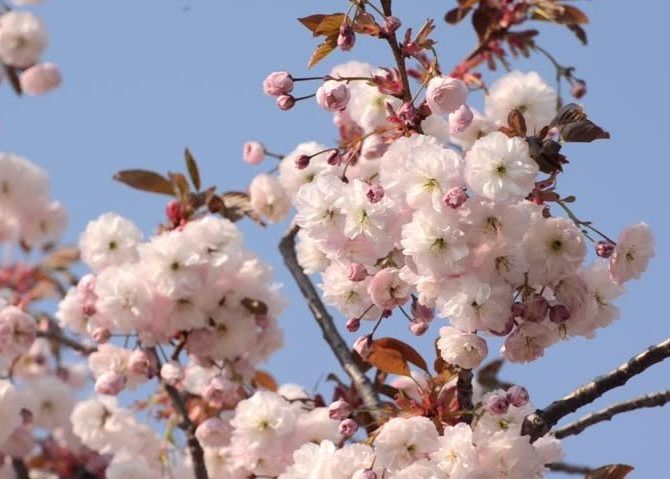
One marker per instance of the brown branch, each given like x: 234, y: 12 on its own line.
x: 20, y: 468
x: 397, y: 54
x: 464, y: 391
x: 540, y: 422
x: 650, y: 400
x: 327, y: 325
x: 56, y: 336
x: 569, y: 468
x: 185, y: 423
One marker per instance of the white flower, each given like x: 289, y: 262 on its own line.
x: 317, y: 213
x: 293, y: 178
x: 23, y: 38
x: 456, y: 454
x: 350, y: 297
x: 264, y: 415
x: 269, y: 198
x: 136, y: 467
x: 402, y: 441
x: 51, y: 401
x: 10, y: 409
x: 23, y: 185
x: 311, y: 257
x: 422, y: 469
x: 45, y: 225
x: 528, y: 342
x: 311, y: 461
x: 500, y: 168
x: 633, y: 250
x: 461, y: 349
x: 526, y: 92
x: 505, y: 456
x: 109, y: 240
x: 362, y: 217
x: 219, y: 239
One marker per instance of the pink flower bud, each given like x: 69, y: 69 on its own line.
x: 559, y: 313
x: 353, y: 324
x: 334, y: 158
x: 253, y: 152
x: 455, y: 197
x: 139, y: 363
x: 375, y: 193
x: 578, y: 89
x: 391, y: 25
x: 497, y: 404
x: 40, y: 79
x: 285, y: 102
x: 340, y: 410
x: 418, y: 328
x: 347, y: 38
x: 213, y: 432
x: 409, y: 114
x: 348, y: 427
x: 101, y: 335
x: 604, y: 249
x: 460, y: 119
x: 357, y: 272
x: 110, y: 383
x: 333, y: 95
x: 422, y: 313
x: 88, y: 309
x: 536, y: 308
x: 363, y: 346
x: 518, y: 396
x: 174, y: 212
x: 221, y: 391
x: 302, y: 161
x: 445, y: 94
x: 278, y: 83
x: 172, y: 373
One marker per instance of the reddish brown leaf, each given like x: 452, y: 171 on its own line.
x: 264, y: 380
x: 323, y: 25
x: 365, y: 24
x: 579, y: 32
x: 481, y: 21
x: 192, y: 168
x: 237, y: 205
x: 408, y: 353
x: 572, y: 15
x: 613, y: 471
x: 145, y: 180
x: 179, y: 185
x: 455, y: 15
x: 388, y: 360
x: 322, y: 51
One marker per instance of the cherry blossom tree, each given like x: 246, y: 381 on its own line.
x: 424, y: 211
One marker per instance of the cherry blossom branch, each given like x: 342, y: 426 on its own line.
x: 327, y: 325
x: 540, y: 422
x: 650, y: 400
x: 397, y: 54
x: 20, y: 468
x: 52, y: 335
x: 464, y: 391
x: 194, y: 447
x: 569, y: 468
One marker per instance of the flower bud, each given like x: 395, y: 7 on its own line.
x: 110, y: 383
x: 518, y: 310
x: 285, y: 102
x: 536, y: 308
x: 347, y: 38
x: 578, y: 89
x: 518, y: 396
x: 333, y: 96
x: 460, y: 119
x: 348, y: 427
x: 422, y: 312
x: 363, y: 346
x: 278, y: 83
x: 455, y: 197
x: 604, y: 249
x: 353, y: 324
x: 375, y: 193
x: 334, y: 158
x: 213, y: 432
x: 139, y: 363
x: 497, y: 404
x: 357, y: 272
x: 391, y: 25
x: 559, y: 313
x: 409, y: 114
x: 418, y: 328
x: 509, y: 326
x: 174, y: 212
x: 253, y: 152
x: 172, y: 372
x: 40, y: 79
x: 221, y: 391
x: 101, y: 335
x: 302, y: 161
x: 339, y: 410
x: 88, y: 309
x: 445, y: 94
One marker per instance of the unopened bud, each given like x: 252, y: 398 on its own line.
x: 604, y: 249
x: 559, y: 313
x: 138, y: 363
x: 302, y: 161
x: 455, y: 197
x: 347, y: 38
x: 363, y: 346
x: 578, y: 89
x: 423, y: 313
x: 285, y: 102
x: 339, y: 410
x: 174, y: 212
x: 334, y: 158
x: 278, y: 83
x: 391, y: 25
x: 518, y: 396
x: 172, y: 372
x: 348, y: 427
x: 253, y: 152
x: 536, y: 308
x: 366, y: 474
x: 353, y: 324
x: 375, y: 193
x: 101, y: 335
x: 110, y: 383
x: 497, y: 404
x: 357, y: 272
x: 333, y: 96
x: 418, y: 328
x: 460, y: 119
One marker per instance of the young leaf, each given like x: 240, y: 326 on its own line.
x: 146, y: 180
x: 406, y: 351
x: 179, y: 185
x: 192, y: 168
x: 322, y: 51
x: 323, y: 25
x: 570, y: 15
x: 516, y: 122
x: 263, y: 380
x: 237, y: 205
x: 388, y: 360
x: 613, y: 471
x: 13, y: 76
x: 579, y: 32
x: 455, y: 15
x: 584, y: 131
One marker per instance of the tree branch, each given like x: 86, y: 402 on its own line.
x: 464, y: 391
x: 650, y: 400
x: 397, y: 54
x: 540, y: 422
x: 327, y: 325
x: 569, y: 468
x: 52, y: 335
x: 20, y: 468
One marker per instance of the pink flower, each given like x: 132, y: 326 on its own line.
x: 333, y: 95
x: 110, y: 383
x: 253, y: 152
x: 346, y: 38
x: 460, y: 119
x: 497, y: 404
x: 348, y: 427
x: 363, y: 346
x: 357, y: 272
x: 632, y: 253
x: 339, y: 410
x: 285, y: 102
x: 172, y: 372
x: 465, y: 350
x: 17, y: 331
x: 40, y: 79
x: 387, y: 290
x: 278, y: 83
x: 214, y: 432
x: 445, y: 94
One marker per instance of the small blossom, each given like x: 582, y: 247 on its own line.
x: 634, y: 249
x: 445, y: 94
x: 278, y: 83
x: 497, y: 404
x: 357, y: 272
x: 339, y: 409
x: 363, y: 346
x: 375, y: 193
x: 285, y: 102
x: 346, y: 38
x: 40, y: 79
x: 518, y: 396
x: 455, y: 197
x: 333, y: 95
x: 465, y: 350
x: 253, y: 152
x: 348, y: 427
x: 460, y: 119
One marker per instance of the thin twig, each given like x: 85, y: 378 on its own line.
x: 397, y: 54
x: 20, y: 468
x: 325, y: 321
x: 650, y: 400
x: 185, y: 423
x: 52, y: 335
x: 540, y: 422
x: 464, y: 391
x: 569, y: 468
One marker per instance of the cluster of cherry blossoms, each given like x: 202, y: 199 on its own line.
x: 23, y: 40
x: 454, y: 219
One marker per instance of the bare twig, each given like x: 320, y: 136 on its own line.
x: 327, y: 325
x: 56, y: 336
x: 569, y: 468
x: 397, y: 54
x: 650, y: 400
x: 540, y: 422
x: 185, y: 423
x: 20, y: 468
x: 464, y: 390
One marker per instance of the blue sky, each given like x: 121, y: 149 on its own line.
x: 145, y: 79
